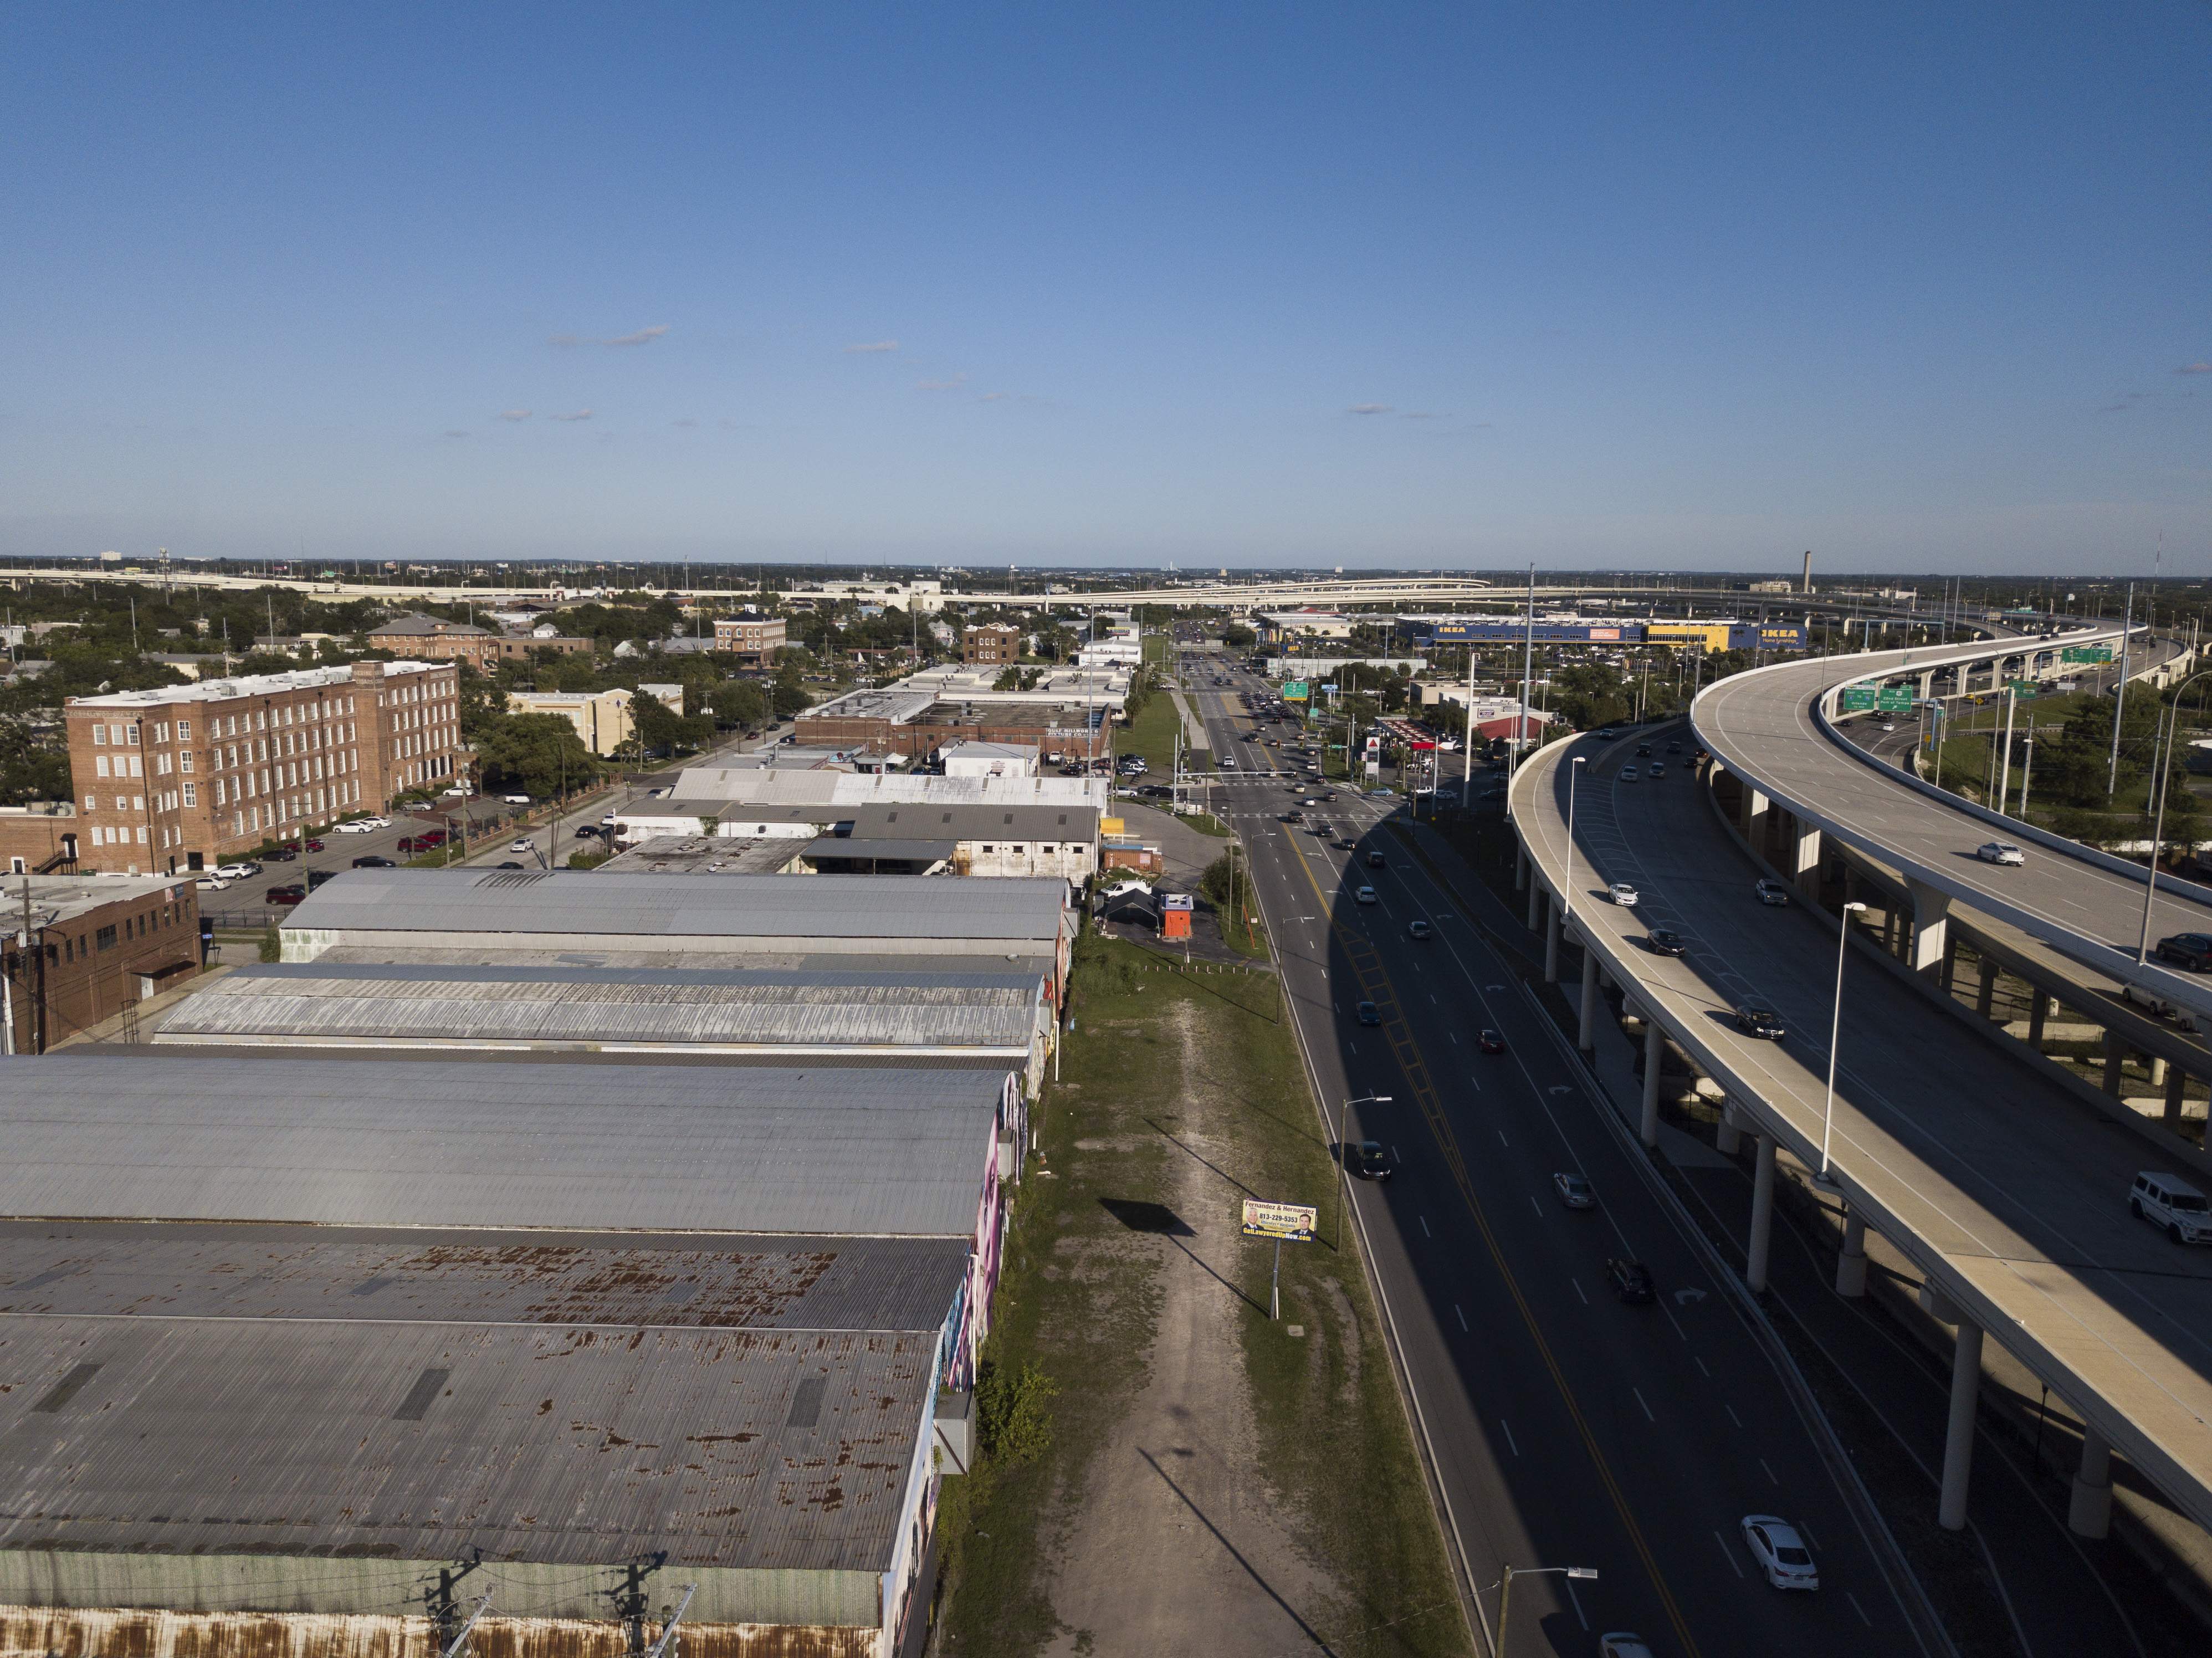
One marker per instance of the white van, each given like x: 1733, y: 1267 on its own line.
x: 2173, y: 1205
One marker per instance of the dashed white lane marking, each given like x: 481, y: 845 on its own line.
x: 1858, y: 1608
x: 1770, y: 1480
x: 1507, y: 1426
x: 1577, y: 1283
x: 1462, y: 1318
x: 1648, y: 1417
x: 1729, y: 1553
x: 1424, y: 1228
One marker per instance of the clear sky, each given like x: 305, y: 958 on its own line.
x: 1920, y: 287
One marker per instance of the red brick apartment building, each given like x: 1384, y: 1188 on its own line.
x: 993, y: 644
x: 184, y: 777
x: 754, y: 638
x: 87, y: 947
x: 431, y: 638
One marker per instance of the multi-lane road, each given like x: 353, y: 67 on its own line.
x: 1563, y: 1427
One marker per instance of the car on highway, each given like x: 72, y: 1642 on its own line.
x: 588, y: 832
x: 1664, y: 941
x: 1674, y: 748
x: 1367, y: 1160
x: 1345, y: 843
x: 1228, y: 764
x: 2191, y: 950
x: 211, y: 883
x: 1293, y: 815
x: 1365, y: 895
x: 1887, y: 726
x: 1606, y: 734
x: 1622, y: 894
x: 1377, y: 860
x: 1574, y: 1191
x: 1643, y: 750
x: 1780, y: 1552
x: 1623, y: 1644
x: 1771, y: 892
x: 1658, y: 769
x: 1490, y: 1041
x: 1628, y: 774
x: 2000, y: 852
x: 2173, y: 1205
x: 1631, y: 1280
x: 2157, y: 1007
x: 240, y: 871
x: 1419, y: 929
x: 291, y: 893
x: 374, y: 860
x: 1760, y: 1022
x: 525, y: 844
x: 1319, y: 828
x: 1367, y: 1013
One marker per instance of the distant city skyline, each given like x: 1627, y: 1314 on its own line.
x: 1235, y: 289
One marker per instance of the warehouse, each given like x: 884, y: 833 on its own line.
x: 415, y: 910
x: 986, y: 1013
x: 262, y: 1439
x: 373, y: 1140
x: 948, y: 836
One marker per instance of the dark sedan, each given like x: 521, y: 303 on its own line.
x: 1490, y: 1041
x: 293, y: 894
x: 1664, y: 941
x: 1760, y: 1022
x: 2193, y: 950
x: 373, y: 861
x: 1631, y: 1280
x: 1367, y: 1160
x: 1368, y: 1014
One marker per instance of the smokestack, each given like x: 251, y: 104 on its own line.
x: 1807, y: 588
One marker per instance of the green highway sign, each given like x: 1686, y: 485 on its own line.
x: 2086, y: 653
x: 1895, y: 699
x: 1857, y: 698
x: 2024, y: 688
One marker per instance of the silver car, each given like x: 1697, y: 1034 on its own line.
x: 1622, y: 894
x: 2000, y: 852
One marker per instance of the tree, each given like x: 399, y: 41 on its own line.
x: 660, y: 728
x: 789, y: 694
x: 739, y: 703
x: 535, y: 754
x: 1238, y: 637
x: 1010, y: 680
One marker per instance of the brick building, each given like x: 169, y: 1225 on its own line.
x: 87, y: 948
x: 38, y: 837
x: 993, y: 644
x: 182, y: 777
x: 754, y: 638
x: 432, y: 639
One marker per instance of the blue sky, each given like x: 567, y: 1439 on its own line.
x: 1598, y: 286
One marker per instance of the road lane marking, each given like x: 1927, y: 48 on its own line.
x: 1648, y: 1417
x: 1858, y: 1608
x: 1733, y: 1561
x: 1577, y: 1283
x: 1732, y: 1417
x: 1501, y: 1140
x: 1507, y: 1426
x: 1424, y: 1228
x: 1462, y: 1318
x: 1770, y: 1480
x: 1702, y: 1371
x: 1537, y: 1207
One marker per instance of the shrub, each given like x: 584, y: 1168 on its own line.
x: 1013, y: 1422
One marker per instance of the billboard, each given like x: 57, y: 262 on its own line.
x: 1291, y: 1223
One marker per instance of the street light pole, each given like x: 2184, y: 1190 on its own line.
x: 1567, y: 899
x: 1587, y: 1574
x: 2162, y: 756
x: 1835, y: 1034
x: 1336, y: 1135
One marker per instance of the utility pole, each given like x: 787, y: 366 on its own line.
x: 2120, y: 695
x: 2005, y: 772
x: 1527, y: 673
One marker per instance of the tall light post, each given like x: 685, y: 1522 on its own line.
x: 1835, y: 1036
x: 1585, y: 1574
x: 1336, y: 1134
x: 1567, y: 897
x: 2162, y: 757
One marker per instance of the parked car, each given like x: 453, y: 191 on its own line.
x: 516, y: 800
x: 1622, y: 894
x: 1780, y: 1552
x: 1631, y: 1280
x: 283, y: 855
x: 1490, y: 1041
x: 510, y: 864
x: 212, y: 882
x: 1574, y: 1191
x: 2171, y: 1204
x: 1419, y: 929
x: 1367, y: 1160
x: 1771, y: 892
x: 1759, y: 1022
x: 291, y: 893
x: 1664, y: 941
x: 1366, y: 1013
x: 2193, y: 950
x: 312, y: 845
x: 244, y: 869
x: 2000, y: 852
x: 318, y: 877
x: 375, y: 861
x: 354, y: 826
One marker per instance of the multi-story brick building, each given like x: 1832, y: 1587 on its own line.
x: 183, y: 777
x: 754, y: 638
x: 83, y: 949
x: 992, y: 645
x: 432, y: 639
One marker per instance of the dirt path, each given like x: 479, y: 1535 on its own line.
x: 1178, y: 1548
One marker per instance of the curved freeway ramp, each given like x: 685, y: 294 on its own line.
x: 1770, y: 727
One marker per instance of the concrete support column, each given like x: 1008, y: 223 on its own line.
x: 1751, y: 817
x: 1959, y: 1439
x: 1535, y: 905
x: 2115, y: 1054
x: 1950, y: 961
x: 1805, y: 857
x: 1586, y: 1038
x: 1932, y: 928
x: 1729, y: 1138
x: 1889, y: 930
x: 1655, y: 1056
x: 1986, y: 991
x: 2157, y: 1069
x: 1762, y: 1214
x: 1551, y: 940
x: 1851, y: 1265
x: 1520, y: 866
x: 2176, y: 1080
x: 2039, y: 1010
x: 2090, y: 1512
x: 1927, y: 684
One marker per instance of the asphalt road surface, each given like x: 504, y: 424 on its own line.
x: 1565, y: 1427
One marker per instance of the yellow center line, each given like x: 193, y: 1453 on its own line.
x: 1374, y: 980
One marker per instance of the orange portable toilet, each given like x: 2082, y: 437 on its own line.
x: 1174, y: 915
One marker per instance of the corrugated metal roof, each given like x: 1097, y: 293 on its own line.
x: 739, y: 905
x: 725, y: 787
x: 113, y: 1270
x: 532, y: 1442
x: 612, y: 1005
x: 395, y: 1143
x: 997, y: 821
x: 516, y: 952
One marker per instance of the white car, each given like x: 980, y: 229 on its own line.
x: 1622, y: 894
x: 374, y: 823
x: 2000, y: 852
x: 357, y: 826
x: 1771, y: 892
x: 211, y: 883
x: 525, y: 845
x: 1365, y: 895
x: 1227, y: 764
x: 1628, y: 774
x: 1623, y: 1644
x: 459, y: 790
x: 1780, y: 1552
x: 516, y: 800
x: 238, y: 871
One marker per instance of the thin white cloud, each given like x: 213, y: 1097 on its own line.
x: 994, y: 396
x: 1368, y: 409
x: 643, y: 336
x: 952, y: 385
x: 872, y: 345
x: 2195, y: 369
x: 581, y: 414
x: 514, y: 414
